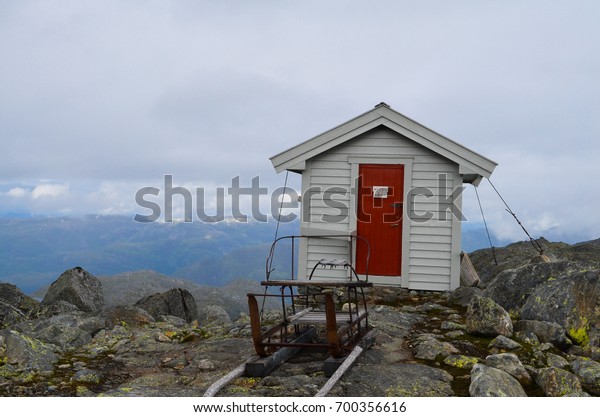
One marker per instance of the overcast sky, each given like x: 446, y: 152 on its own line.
x: 100, y: 98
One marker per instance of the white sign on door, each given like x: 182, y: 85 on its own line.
x: 380, y: 191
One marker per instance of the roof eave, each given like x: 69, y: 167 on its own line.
x: 470, y: 162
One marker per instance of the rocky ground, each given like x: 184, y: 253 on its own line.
x: 534, y: 330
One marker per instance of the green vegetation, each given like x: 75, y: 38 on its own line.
x: 580, y: 334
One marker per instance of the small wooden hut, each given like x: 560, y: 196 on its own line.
x: 392, y: 181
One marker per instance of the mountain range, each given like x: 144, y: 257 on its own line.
x: 34, y: 251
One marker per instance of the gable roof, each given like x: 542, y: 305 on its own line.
x: 472, y: 165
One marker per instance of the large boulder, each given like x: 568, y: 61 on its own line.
x: 13, y: 296
x: 492, y: 382
x: 510, y: 363
x: 511, y: 288
x: 572, y: 302
x: 545, y: 331
x: 486, y: 318
x: 14, y: 305
x: 65, y: 331
x: 57, y: 308
x: 10, y: 315
x: 28, y: 353
x: 78, y: 287
x: 175, y: 302
x: 557, y: 382
x: 588, y: 372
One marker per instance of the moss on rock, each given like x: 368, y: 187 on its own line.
x: 461, y: 361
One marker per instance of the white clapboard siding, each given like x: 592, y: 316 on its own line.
x: 428, y: 286
x: 417, y: 240
x: 319, y: 248
x: 430, y: 243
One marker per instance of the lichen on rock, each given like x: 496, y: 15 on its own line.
x: 491, y: 382
x: 486, y: 318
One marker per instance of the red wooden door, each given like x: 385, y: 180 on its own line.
x: 379, y: 218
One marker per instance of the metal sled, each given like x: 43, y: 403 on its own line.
x: 311, y: 304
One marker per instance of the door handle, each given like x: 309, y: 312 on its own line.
x: 395, y: 225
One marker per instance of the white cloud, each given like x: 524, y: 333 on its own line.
x: 49, y: 191
x: 17, y: 192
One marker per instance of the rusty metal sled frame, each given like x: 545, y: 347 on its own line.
x: 311, y: 304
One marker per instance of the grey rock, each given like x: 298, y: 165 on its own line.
x: 161, y: 337
x: 128, y: 315
x: 205, y: 365
x: 10, y: 315
x: 486, y: 318
x: 461, y: 361
x: 526, y: 337
x: 557, y: 382
x: 433, y: 307
x: 594, y: 336
x: 450, y: 325
x: 91, y: 325
x: 512, y: 288
x: 464, y: 295
x: 28, y: 353
x: 577, y: 394
x: 215, y: 315
x: 455, y: 334
x: 175, y: 302
x: 65, y: 331
x: 173, y: 320
x: 78, y: 287
x: 398, y: 380
x: 539, y: 359
x: 544, y: 346
x: 431, y: 348
x: 64, y: 336
x: 533, y: 371
x: 575, y: 350
x: 556, y: 361
x: 491, y: 382
x: 421, y: 337
x: 57, y: 308
x: 13, y: 296
x: 10, y: 294
x: 434, y: 383
x: 14, y: 305
x: 588, y: 372
x: 592, y: 353
x: 82, y: 391
x: 87, y: 376
x: 503, y: 342
x: 544, y: 331
x: 510, y: 363
x: 571, y: 301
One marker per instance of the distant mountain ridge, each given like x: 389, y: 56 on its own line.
x: 35, y: 251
